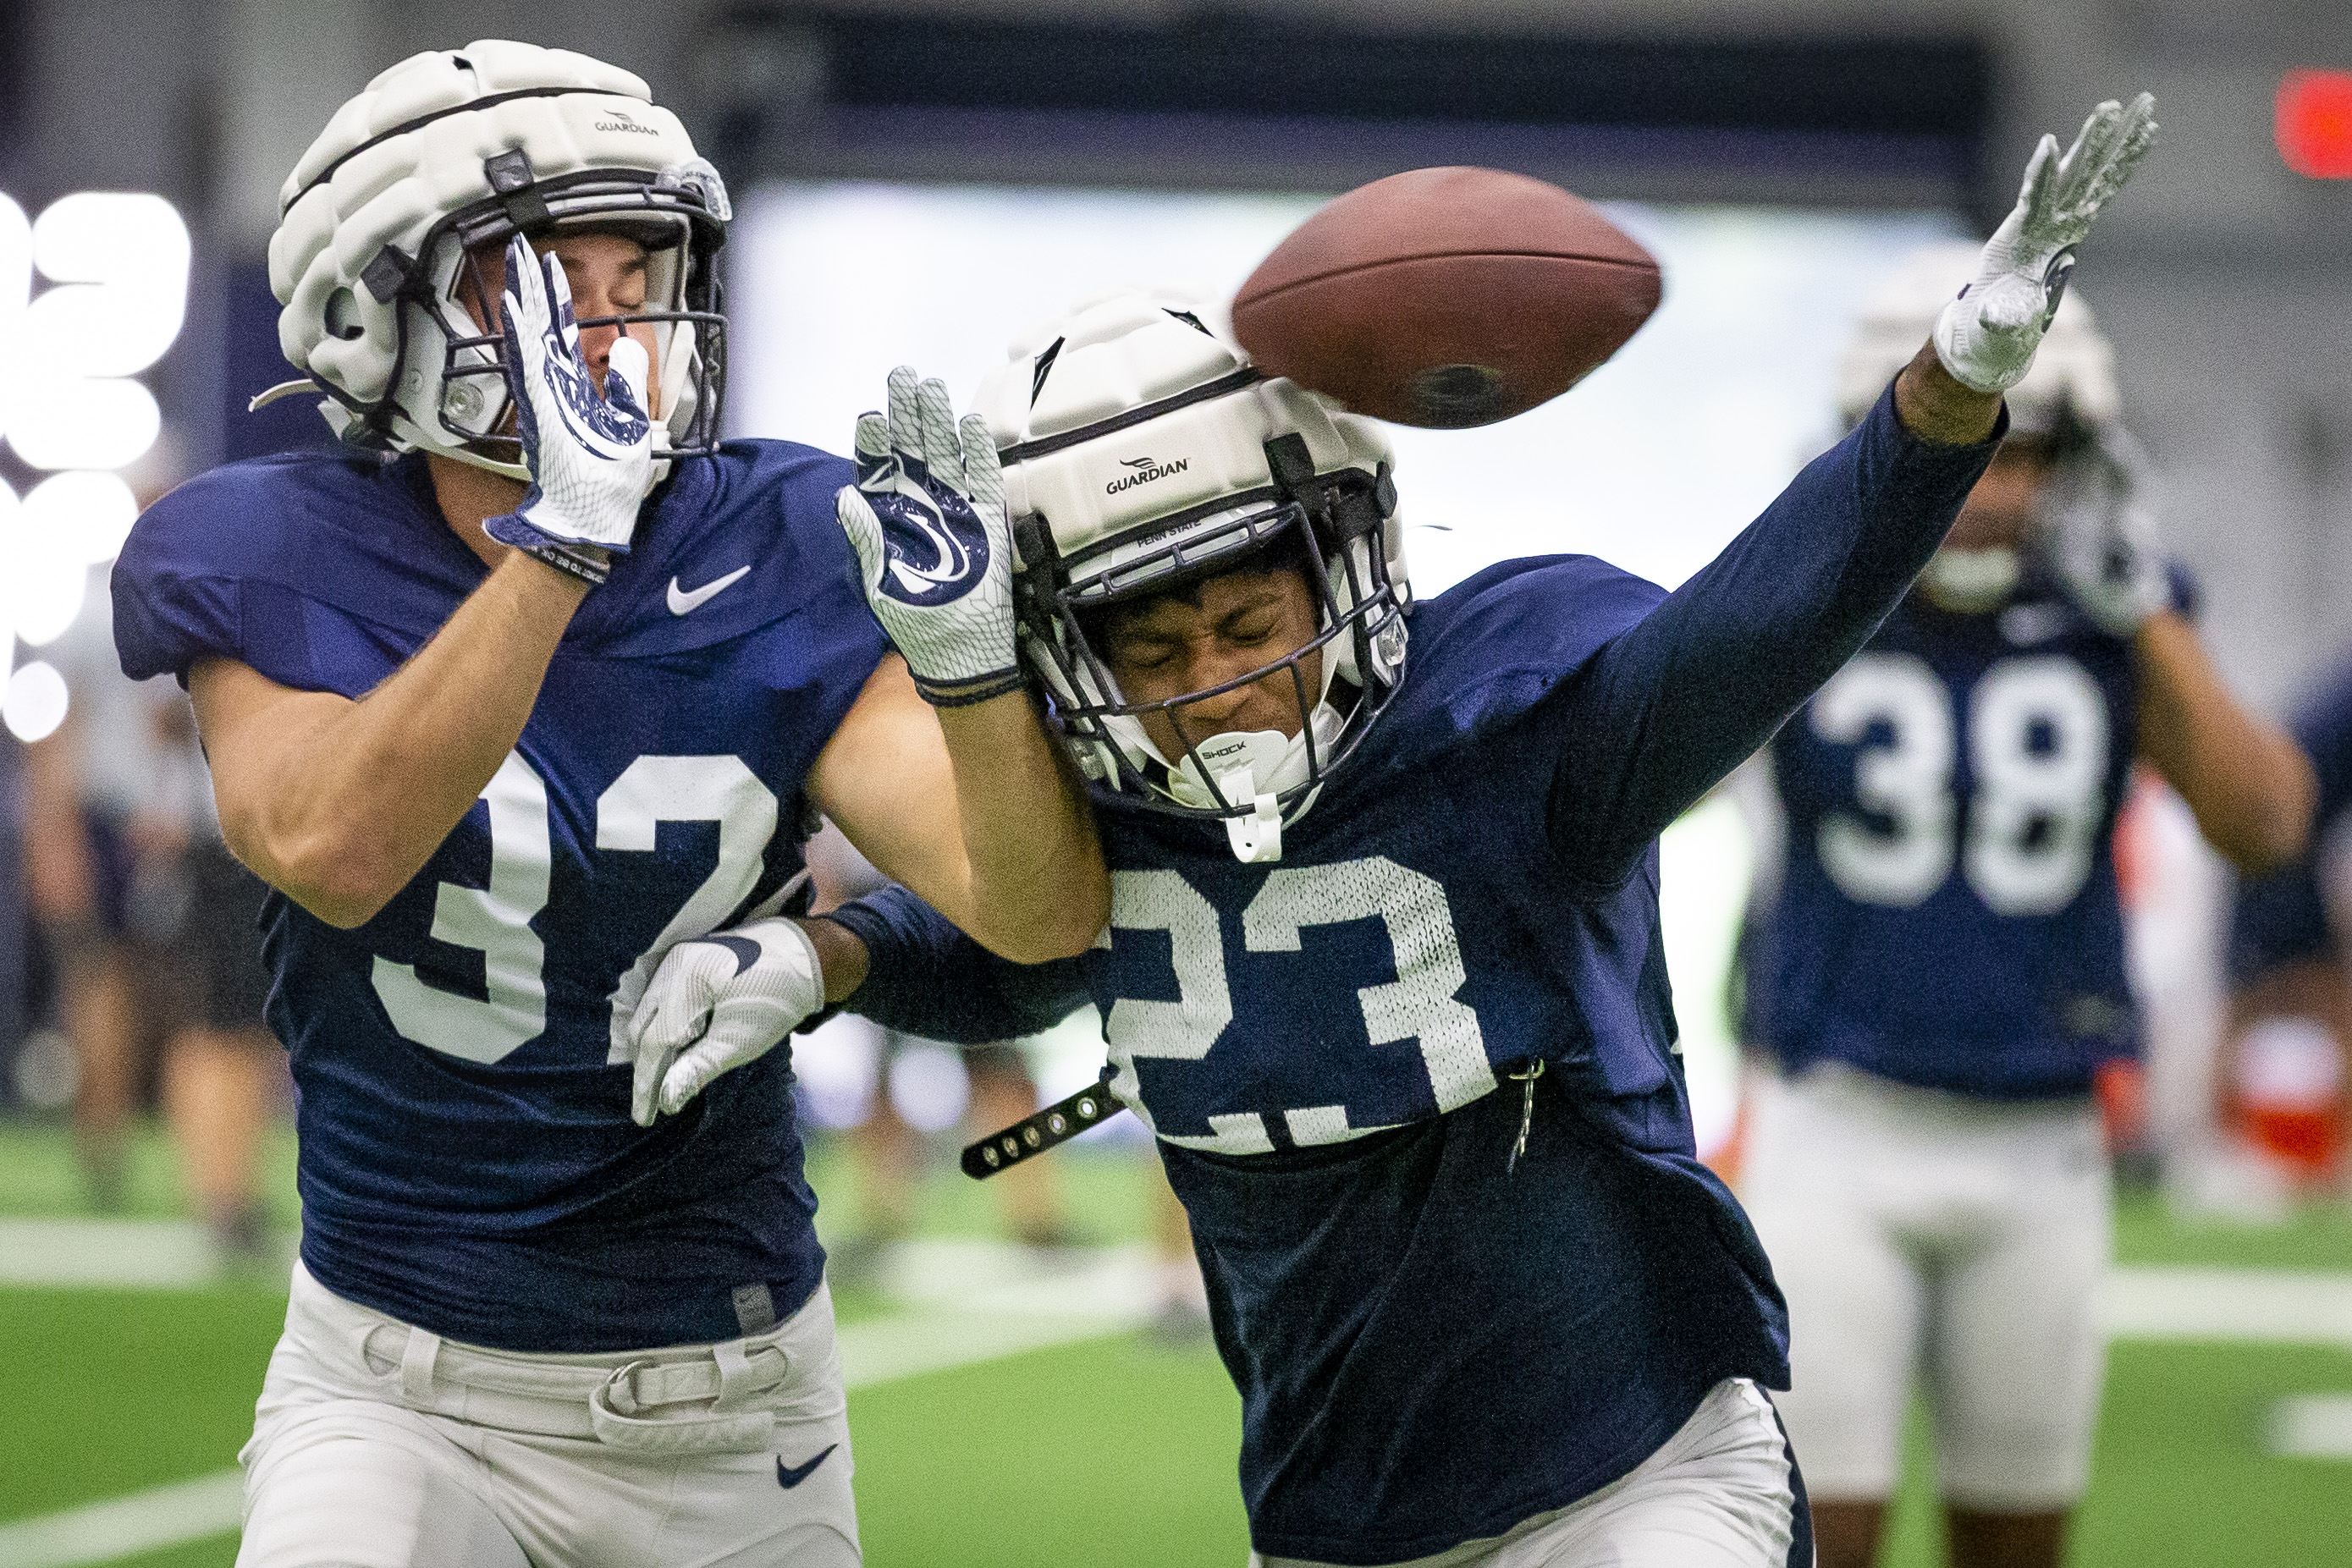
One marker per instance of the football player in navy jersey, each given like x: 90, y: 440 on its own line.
x: 535, y: 689
x: 1383, y: 970
x: 1936, y: 964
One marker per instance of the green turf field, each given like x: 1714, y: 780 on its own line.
x: 1114, y: 1449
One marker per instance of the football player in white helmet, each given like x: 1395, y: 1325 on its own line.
x: 1237, y: 469
x: 1937, y: 963
x: 1373, y: 860
x: 523, y: 702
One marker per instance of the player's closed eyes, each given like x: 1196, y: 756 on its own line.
x: 628, y: 296
x: 1144, y: 658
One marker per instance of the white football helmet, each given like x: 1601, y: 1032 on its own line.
x: 441, y: 160
x: 2069, y: 398
x: 1142, y: 453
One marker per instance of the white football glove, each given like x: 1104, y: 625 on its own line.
x: 591, y: 458
x: 2103, y: 543
x: 927, y: 519
x: 715, y: 1003
x: 1985, y: 338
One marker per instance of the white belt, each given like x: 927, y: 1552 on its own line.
x: 693, y: 1405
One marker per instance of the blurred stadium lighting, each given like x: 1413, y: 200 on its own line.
x: 119, y: 261
x: 80, y: 514
x: 2315, y: 123
x: 45, y: 590
x: 77, y: 422
x: 116, y: 265
x: 35, y: 703
x: 42, y: 583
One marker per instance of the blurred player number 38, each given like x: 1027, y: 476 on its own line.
x: 2036, y: 728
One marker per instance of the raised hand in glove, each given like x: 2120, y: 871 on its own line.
x: 2102, y: 542
x: 715, y: 1003
x: 591, y: 456
x: 926, y: 521
x: 1985, y: 338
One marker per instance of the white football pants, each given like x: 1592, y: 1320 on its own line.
x: 380, y: 1446
x: 1959, y: 1237
x: 1720, y: 1493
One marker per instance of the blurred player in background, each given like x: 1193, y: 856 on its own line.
x: 888, y: 1149
x: 2285, y: 1094
x: 1937, y: 965
x: 153, y: 927
x: 151, y: 922
x: 506, y: 720
x: 1467, y: 1326
x: 83, y: 783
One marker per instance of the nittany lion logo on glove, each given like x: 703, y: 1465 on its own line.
x: 591, y: 458
x: 916, y: 477
x: 927, y: 519
x: 543, y: 337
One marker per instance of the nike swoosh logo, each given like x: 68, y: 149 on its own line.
x: 792, y: 1477
x: 686, y: 600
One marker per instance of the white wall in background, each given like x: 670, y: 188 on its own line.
x: 1654, y: 463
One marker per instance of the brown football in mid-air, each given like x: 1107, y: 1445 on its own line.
x: 1446, y: 298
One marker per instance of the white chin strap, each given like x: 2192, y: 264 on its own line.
x: 1971, y: 581
x: 1253, y: 768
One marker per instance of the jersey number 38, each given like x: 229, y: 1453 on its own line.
x: 2037, y: 733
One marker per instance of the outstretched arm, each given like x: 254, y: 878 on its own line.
x: 923, y: 976
x: 1683, y: 697
x: 1680, y: 699
x: 974, y: 808
x: 722, y: 1000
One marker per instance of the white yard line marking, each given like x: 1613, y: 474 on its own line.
x: 118, y: 1527
x: 2263, y: 1305
x: 136, y: 1254
x: 2140, y: 1302
x: 2311, y: 1426
x: 892, y: 1348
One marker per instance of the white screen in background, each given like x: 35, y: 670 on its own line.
x: 1654, y: 463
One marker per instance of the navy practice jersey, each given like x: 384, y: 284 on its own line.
x: 1431, y: 1346
x: 1945, y: 913
x: 467, y: 1163
x: 2283, y: 918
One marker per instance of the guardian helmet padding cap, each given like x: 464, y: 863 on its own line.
x: 453, y: 150
x: 1142, y: 452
